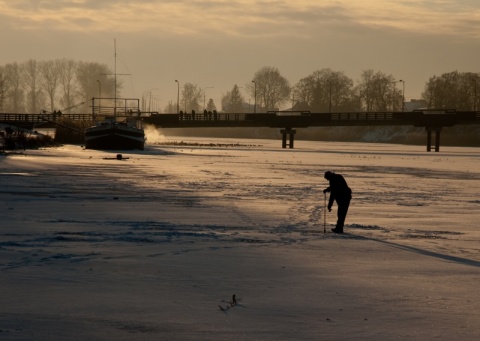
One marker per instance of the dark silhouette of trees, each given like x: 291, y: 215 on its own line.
x: 171, y: 107
x: 68, y: 87
x: 325, y: 90
x: 87, y: 76
x: 233, y: 101
x: 52, y: 85
x: 35, y: 97
x: 60, y: 84
x: 211, y: 105
x: 51, y: 75
x: 377, y: 91
x: 453, y: 90
x: 14, y: 84
x: 191, y: 97
x: 272, y: 89
x: 3, y: 88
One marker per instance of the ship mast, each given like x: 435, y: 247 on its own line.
x: 115, y: 74
x: 115, y: 80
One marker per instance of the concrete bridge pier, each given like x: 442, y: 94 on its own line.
x: 291, y: 137
x: 437, y: 138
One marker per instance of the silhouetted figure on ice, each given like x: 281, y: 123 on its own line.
x: 342, y: 194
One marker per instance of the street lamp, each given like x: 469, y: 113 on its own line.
x: 99, y: 95
x: 330, y: 96
x: 204, y: 91
x: 403, y: 94
x: 178, y: 96
x: 255, y: 100
x: 474, y: 80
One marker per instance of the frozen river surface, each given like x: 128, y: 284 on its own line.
x: 148, y: 247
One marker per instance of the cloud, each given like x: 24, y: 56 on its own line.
x: 420, y: 17
x: 244, y: 18
x: 231, y: 39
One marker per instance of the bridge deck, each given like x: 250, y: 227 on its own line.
x: 431, y: 120
x: 271, y: 119
x: 305, y: 119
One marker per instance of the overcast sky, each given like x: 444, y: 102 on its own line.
x: 219, y: 43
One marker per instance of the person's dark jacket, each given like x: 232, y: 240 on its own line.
x: 339, y: 190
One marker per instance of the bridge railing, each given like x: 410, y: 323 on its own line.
x: 210, y: 116
x: 383, y: 116
x: 10, y: 117
x: 273, y: 119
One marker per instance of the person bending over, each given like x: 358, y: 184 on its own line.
x: 341, y: 194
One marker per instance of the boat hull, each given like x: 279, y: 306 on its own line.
x: 114, y: 138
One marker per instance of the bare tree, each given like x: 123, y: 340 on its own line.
x: 51, y: 75
x: 303, y: 91
x: 191, y: 97
x: 33, y: 85
x: 325, y: 90
x: 3, y: 88
x: 270, y: 87
x: 87, y: 75
x: 67, y: 69
x: 453, y: 90
x: 171, y: 107
x: 377, y: 92
x: 14, y: 88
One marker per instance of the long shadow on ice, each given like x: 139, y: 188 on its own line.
x: 460, y: 260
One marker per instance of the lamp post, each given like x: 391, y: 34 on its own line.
x: 403, y: 94
x: 150, y: 101
x: 99, y: 95
x: 474, y: 80
x: 204, y: 91
x: 330, y: 96
x: 178, y: 96
x: 255, y: 99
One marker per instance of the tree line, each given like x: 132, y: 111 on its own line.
x: 326, y: 90
x: 62, y: 84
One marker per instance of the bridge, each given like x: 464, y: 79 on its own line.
x: 432, y: 120
x: 287, y: 121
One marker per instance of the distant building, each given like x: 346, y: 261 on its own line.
x: 249, y: 108
x: 299, y: 106
x: 415, y: 104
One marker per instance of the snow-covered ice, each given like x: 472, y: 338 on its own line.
x: 147, y: 248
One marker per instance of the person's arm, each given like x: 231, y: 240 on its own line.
x: 330, y: 201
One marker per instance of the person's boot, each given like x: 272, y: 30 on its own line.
x: 337, y: 230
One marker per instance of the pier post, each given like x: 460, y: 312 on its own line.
x: 291, y: 137
x: 429, y: 140
x: 437, y: 138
